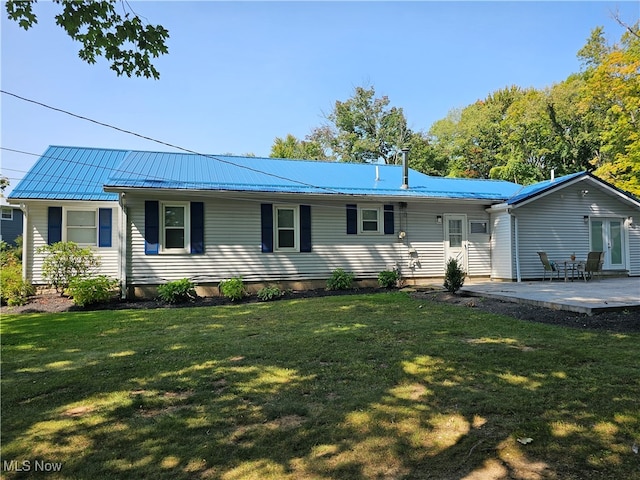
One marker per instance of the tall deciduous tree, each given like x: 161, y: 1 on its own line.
x: 363, y: 128
x: 612, y: 92
x: 423, y: 157
x: 291, y: 147
x: 125, y: 41
x: 473, y: 138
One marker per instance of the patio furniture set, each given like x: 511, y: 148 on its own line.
x: 586, y: 269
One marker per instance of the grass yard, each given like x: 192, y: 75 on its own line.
x: 357, y: 387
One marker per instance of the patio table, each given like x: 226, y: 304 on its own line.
x: 573, y: 264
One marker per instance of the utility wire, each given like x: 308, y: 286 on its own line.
x: 229, y: 195
x: 167, y: 144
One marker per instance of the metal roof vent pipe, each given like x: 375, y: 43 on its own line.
x: 405, y: 168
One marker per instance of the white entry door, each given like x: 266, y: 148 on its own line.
x: 455, y: 239
x: 607, y: 235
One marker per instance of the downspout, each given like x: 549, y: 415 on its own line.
x: 516, y: 246
x: 25, y: 235
x: 122, y: 246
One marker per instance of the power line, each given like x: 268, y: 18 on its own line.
x: 212, y: 157
x: 167, y: 144
x: 228, y: 194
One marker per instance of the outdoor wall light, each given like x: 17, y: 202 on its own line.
x: 438, y: 218
x: 586, y: 218
x: 584, y: 192
x: 402, y: 235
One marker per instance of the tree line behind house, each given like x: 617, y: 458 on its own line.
x: 589, y: 121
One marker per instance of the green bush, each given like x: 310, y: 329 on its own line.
x: 178, y: 291
x: 388, y: 278
x: 269, y: 293
x: 232, y: 288
x: 340, y: 280
x: 13, y: 289
x: 454, y: 276
x: 65, y: 261
x: 10, y: 254
x: 87, y: 291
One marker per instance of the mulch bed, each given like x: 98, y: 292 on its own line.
x: 613, y: 321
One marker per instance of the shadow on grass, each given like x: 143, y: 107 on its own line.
x: 361, y: 387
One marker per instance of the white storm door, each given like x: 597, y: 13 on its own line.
x: 455, y: 239
x: 607, y: 235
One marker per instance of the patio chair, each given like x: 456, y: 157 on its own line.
x: 593, y: 265
x: 549, y: 266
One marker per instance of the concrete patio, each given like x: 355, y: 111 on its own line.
x: 590, y: 297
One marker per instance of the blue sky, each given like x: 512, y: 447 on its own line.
x: 239, y: 74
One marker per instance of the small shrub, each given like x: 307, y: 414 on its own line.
x: 64, y: 261
x: 454, y: 276
x: 388, y: 278
x: 13, y: 289
x: 340, y: 280
x: 87, y: 291
x: 178, y: 291
x: 233, y: 288
x: 269, y: 293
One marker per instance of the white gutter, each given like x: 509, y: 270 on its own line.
x: 516, y: 246
x: 25, y: 241
x: 122, y: 246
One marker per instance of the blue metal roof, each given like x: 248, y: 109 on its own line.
x: 208, y: 172
x: 72, y: 173
x: 535, y: 189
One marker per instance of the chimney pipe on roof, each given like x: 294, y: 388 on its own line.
x: 405, y: 168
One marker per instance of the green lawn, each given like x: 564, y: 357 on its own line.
x: 354, y: 387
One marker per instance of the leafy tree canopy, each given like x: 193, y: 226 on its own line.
x: 363, y: 129
x: 125, y: 41
x: 291, y: 147
x: 590, y: 121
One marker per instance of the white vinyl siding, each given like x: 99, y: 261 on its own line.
x: 426, y: 236
x: 502, y: 265
x: 555, y: 224
x: 37, y: 229
x: 233, y: 233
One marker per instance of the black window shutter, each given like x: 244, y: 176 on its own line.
x: 197, y: 227
x: 266, y: 222
x: 352, y: 219
x: 151, y: 227
x: 305, y: 228
x: 105, y: 216
x: 54, y: 225
x: 388, y: 220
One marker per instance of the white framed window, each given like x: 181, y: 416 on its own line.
x: 81, y: 227
x: 287, y: 228
x: 7, y: 213
x: 174, y: 218
x: 478, y: 226
x: 370, y: 220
